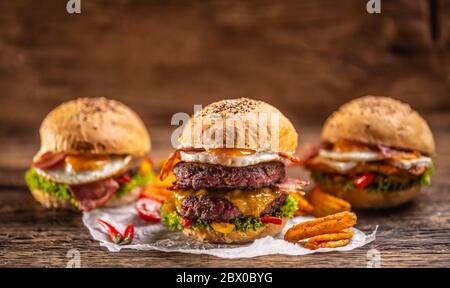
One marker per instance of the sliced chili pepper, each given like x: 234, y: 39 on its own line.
x: 116, y: 236
x: 271, y: 219
x: 124, y: 179
x: 363, y: 180
x: 186, y: 222
x: 128, y: 234
x: 148, y: 209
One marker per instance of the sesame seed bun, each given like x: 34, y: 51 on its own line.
x: 377, y: 120
x: 94, y: 126
x: 285, y: 139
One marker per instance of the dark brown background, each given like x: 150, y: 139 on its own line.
x: 161, y: 57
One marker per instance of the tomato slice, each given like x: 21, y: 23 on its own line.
x: 148, y: 209
x: 186, y: 222
x: 363, y: 180
x: 271, y: 219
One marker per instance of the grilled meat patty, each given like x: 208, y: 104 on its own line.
x: 219, y: 209
x: 190, y: 175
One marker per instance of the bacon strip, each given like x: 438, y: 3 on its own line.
x: 290, y: 157
x: 390, y: 153
x: 174, y: 157
x: 92, y: 195
x: 49, y: 160
x: 292, y: 185
x: 308, y: 152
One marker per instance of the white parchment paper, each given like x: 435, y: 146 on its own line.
x: 156, y: 236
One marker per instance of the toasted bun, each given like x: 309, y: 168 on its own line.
x: 284, y: 140
x: 364, y: 199
x: 94, y: 126
x: 48, y: 201
x: 205, y: 235
x: 377, y: 120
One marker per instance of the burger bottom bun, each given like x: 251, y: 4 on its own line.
x: 48, y: 201
x: 365, y: 199
x: 205, y: 235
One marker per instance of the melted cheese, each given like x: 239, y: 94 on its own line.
x: 250, y: 203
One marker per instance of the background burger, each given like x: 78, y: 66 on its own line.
x: 233, y: 194
x: 375, y: 153
x: 93, y: 153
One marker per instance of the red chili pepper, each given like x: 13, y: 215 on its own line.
x: 363, y: 180
x: 148, y: 209
x: 116, y: 236
x: 124, y: 179
x: 128, y: 234
x: 186, y: 222
x: 271, y: 219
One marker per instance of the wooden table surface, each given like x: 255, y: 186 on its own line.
x: 161, y: 59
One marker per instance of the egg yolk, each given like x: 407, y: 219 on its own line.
x: 232, y: 152
x: 349, y: 146
x: 86, y: 162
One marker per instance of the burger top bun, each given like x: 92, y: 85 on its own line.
x: 94, y: 126
x: 375, y: 120
x: 204, y: 129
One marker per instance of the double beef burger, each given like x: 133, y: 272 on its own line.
x: 226, y: 191
x: 375, y: 153
x: 93, y: 153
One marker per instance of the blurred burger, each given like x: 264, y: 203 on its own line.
x: 375, y: 153
x: 231, y: 191
x: 93, y: 153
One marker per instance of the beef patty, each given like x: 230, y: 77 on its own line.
x: 190, y: 175
x: 208, y: 207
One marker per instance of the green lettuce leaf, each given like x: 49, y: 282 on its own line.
x: 135, y: 181
x: 173, y: 220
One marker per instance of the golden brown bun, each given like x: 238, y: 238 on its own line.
x: 95, y: 126
x: 205, y: 235
x: 377, y: 120
x: 48, y: 201
x: 363, y: 199
x: 287, y: 138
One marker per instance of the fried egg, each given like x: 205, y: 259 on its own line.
x: 91, y: 172
x: 339, y: 166
x: 359, y: 156
x: 344, y: 161
x: 408, y: 164
x: 227, y: 159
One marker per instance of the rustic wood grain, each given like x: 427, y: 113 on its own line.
x: 305, y: 57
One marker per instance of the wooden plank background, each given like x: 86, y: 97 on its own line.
x: 305, y: 57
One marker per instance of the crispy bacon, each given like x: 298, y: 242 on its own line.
x: 173, y: 159
x: 92, y: 195
x: 292, y: 185
x: 390, y: 153
x: 309, y: 152
x: 49, y: 160
x: 290, y: 157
